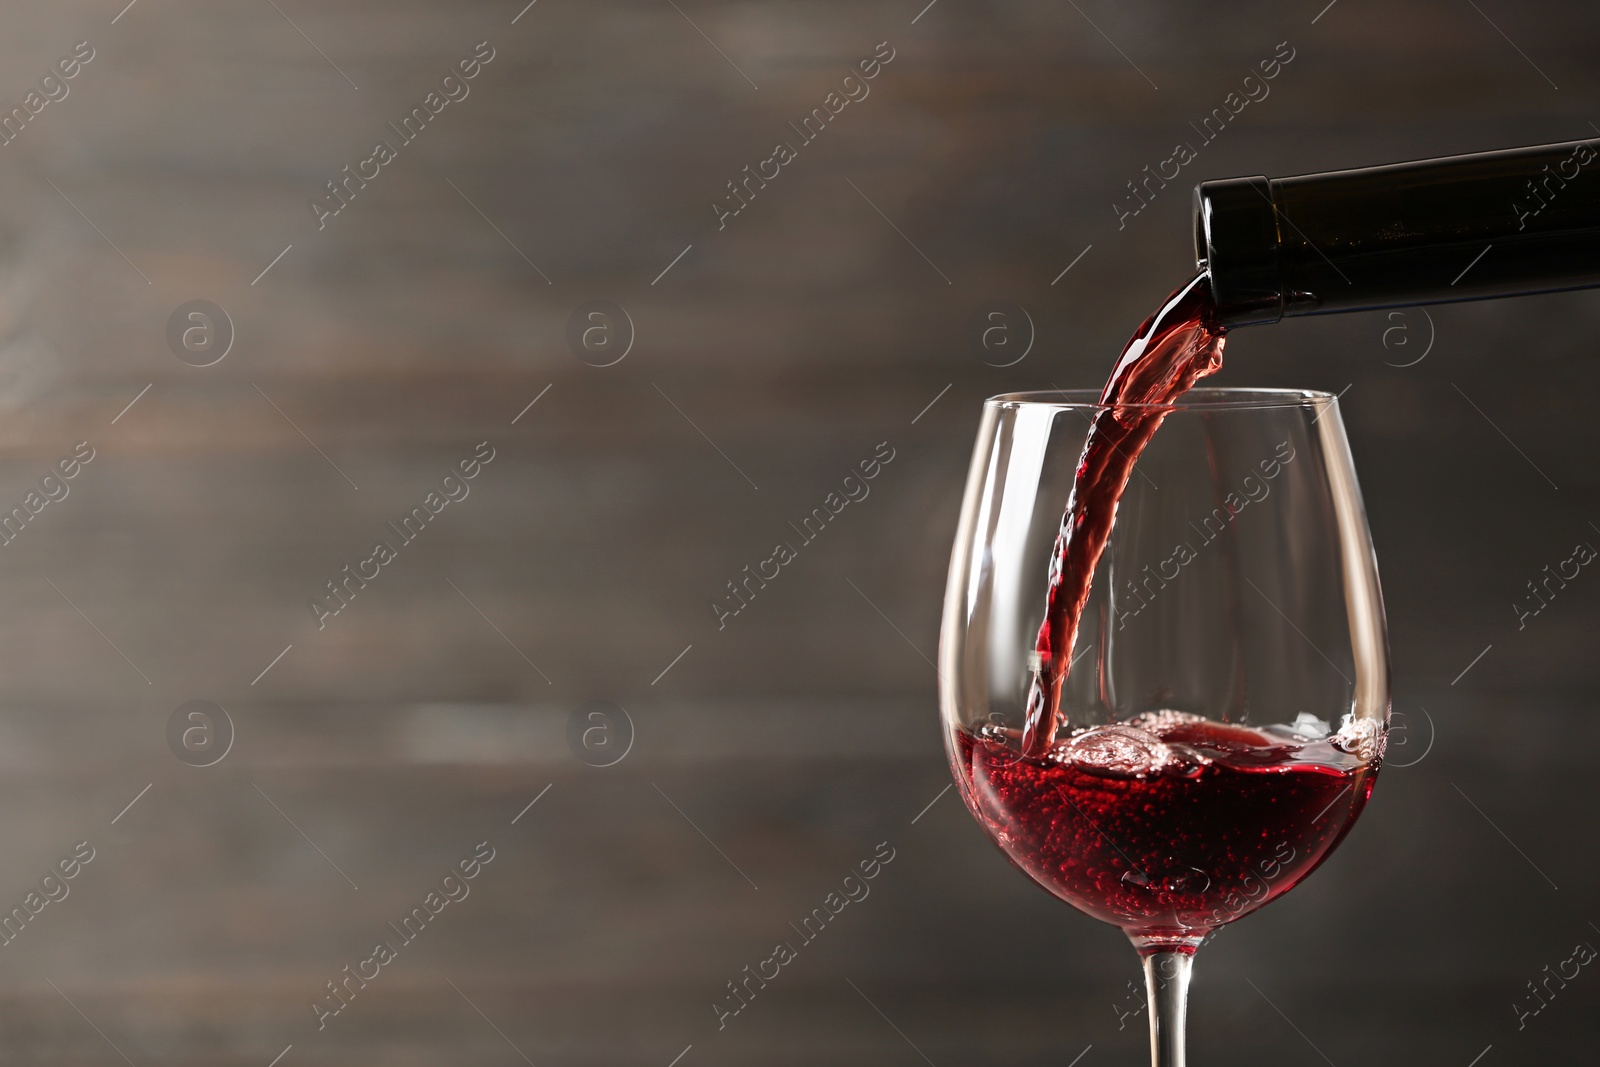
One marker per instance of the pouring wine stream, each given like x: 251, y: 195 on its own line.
x: 1174, y: 348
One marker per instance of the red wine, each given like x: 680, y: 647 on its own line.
x: 1169, y: 825
x: 1179, y: 344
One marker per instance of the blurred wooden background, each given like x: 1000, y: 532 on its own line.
x: 772, y: 355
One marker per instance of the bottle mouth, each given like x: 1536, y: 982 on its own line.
x: 1204, y: 398
x: 1236, y: 242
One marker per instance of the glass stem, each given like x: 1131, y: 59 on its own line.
x: 1166, y: 983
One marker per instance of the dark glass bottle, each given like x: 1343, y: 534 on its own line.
x: 1525, y: 220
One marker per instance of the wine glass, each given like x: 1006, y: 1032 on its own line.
x: 1224, y: 717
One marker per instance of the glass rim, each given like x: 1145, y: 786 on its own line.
x: 1203, y: 398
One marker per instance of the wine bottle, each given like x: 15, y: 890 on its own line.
x: 1507, y: 223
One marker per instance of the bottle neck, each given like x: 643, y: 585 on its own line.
x: 1507, y: 223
